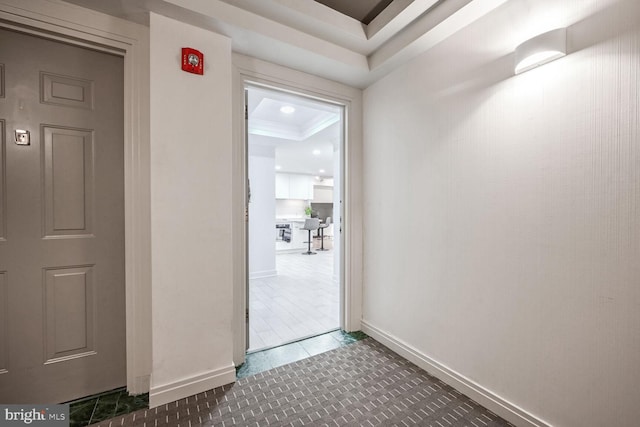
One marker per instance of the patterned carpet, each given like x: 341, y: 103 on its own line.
x: 363, y: 384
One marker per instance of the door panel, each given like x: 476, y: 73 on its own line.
x: 3, y: 322
x: 63, y: 248
x: 69, y: 307
x: 66, y: 90
x: 68, y: 180
x: 4, y: 348
x: 1, y: 80
x: 2, y: 180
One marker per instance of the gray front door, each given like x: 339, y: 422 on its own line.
x: 62, y: 293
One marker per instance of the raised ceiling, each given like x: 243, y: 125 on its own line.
x: 302, y: 123
x: 362, y: 10
x: 311, y: 37
x: 304, y: 141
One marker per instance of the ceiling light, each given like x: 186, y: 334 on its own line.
x: 541, y: 49
x: 278, y: 167
x: 287, y: 109
x: 316, y: 152
x: 321, y: 171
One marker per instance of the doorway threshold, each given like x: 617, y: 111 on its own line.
x: 299, y: 339
x: 263, y: 360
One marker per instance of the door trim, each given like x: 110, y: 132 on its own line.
x: 251, y: 71
x: 61, y: 21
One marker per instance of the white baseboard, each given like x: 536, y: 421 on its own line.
x: 475, y: 391
x: 168, y: 393
x: 262, y: 274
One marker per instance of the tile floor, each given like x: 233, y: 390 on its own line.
x: 107, y: 405
x: 302, y: 301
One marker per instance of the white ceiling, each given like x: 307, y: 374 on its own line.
x: 312, y: 37
x: 304, y: 141
x: 309, y: 117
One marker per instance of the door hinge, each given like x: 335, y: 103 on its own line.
x: 246, y: 112
x: 247, y: 315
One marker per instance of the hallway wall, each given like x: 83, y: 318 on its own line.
x: 502, y: 225
x: 192, y: 294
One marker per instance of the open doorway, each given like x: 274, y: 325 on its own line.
x: 294, y: 164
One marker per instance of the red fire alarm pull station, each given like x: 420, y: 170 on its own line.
x: 192, y: 61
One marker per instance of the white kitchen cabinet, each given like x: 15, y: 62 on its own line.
x: 282, y: 186
x: 292, y: 186
x: 300, y: 187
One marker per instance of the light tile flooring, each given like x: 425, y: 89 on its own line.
x: 302, y: 301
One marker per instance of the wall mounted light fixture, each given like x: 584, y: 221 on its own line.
x: 541, y: 49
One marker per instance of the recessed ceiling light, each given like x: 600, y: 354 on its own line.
x: 278, y: 167
x: 287, y: 109
x: 316, y: 152
x: 321, y: 171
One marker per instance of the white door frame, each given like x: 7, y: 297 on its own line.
x: 251, y: 83
x: 250, y: 71
x: 75, y: 25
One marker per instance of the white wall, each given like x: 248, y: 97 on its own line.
x: 502, y: 214
x: 262, y: 211
x: 190, y: 213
